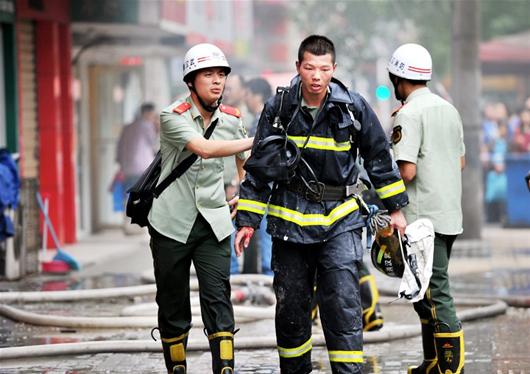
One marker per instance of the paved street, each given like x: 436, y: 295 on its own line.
x: 500, y: 265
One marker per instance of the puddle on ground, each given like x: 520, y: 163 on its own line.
x: 68, y: 282
x: 503, y: 282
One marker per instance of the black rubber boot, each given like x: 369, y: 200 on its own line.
x: 175, y: 353
x: 222, y: 348
x: 450, y: 352
x: 179, y: 369
x: 428, y: 365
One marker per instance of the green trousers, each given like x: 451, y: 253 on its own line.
x: 172, y: 261
x: 437, y: 308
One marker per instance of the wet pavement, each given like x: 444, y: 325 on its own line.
x: 493, y: 345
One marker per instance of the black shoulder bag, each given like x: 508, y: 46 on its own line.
x: 143, y: 192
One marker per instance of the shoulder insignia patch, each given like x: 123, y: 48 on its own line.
x: 230, y: 110
x: 182, y: 107
x: 397, y: 110
x: 396, y: 134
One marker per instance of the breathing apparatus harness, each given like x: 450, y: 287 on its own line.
x: 312, y: 189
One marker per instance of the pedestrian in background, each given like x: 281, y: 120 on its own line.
x: 429, y: 148
x: 314, y: 217
x: 191, y: 221
x: 138, y: 144
x: 234, y: 96
x: 137, y: 147
x: 258, y: 92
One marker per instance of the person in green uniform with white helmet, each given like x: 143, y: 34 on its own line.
x: 429, y: 149
x: 191, y: 220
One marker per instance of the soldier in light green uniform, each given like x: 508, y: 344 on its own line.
x: 191, y: 219
x: 429, y: 149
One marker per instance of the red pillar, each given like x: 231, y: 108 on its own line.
x: 51, y: 152
x: 69, y: 147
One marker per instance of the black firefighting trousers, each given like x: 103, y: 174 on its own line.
x: 172, y: 261
x: 336, y: 264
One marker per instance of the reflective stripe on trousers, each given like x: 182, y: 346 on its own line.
x: 335, y: 265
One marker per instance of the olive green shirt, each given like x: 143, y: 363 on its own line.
x: 428, y: 132
x: 230, y: 162
x: 200, y: 189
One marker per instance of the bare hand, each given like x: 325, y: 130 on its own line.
x: 230, y: 191
x: 232, y: 203
x: 398, y: 221
x: 244, y: 234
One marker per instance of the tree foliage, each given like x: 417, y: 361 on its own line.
x: 366, y: 29
x: 504, y: 17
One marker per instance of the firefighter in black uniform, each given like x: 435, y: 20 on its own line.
x: 314, y: 215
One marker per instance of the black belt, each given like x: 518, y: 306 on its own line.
x: 318, y: 191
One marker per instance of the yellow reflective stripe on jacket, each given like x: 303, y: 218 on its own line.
x: 345, y: 356
x: 252, y: 206
x: 295, y: 352
x: 391, y: 190
x: 313, y: 219
x: 318, y: 142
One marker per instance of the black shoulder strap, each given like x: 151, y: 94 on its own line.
x: 278, y: 103
x: 182, y: 166
x: 353, y: 109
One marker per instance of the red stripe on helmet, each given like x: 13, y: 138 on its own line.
x: 418, y: 70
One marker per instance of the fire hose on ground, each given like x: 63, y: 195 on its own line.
x: 262, y: 342
x: 138, y: 316
x: 148, y: 289
x: 471, y: 299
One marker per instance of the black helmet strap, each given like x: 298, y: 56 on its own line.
x: 208, y: 108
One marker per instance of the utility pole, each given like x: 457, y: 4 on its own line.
x: 466, y: 94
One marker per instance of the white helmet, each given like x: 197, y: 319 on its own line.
x: 411, y: 61
x: 203, y: 56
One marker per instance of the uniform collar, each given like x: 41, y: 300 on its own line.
x: 339, y: 92
x: 419, y: 92
x: 303, y: 103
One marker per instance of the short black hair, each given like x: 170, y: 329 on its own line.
x: 147, y: 107
x: 317, y: 45
x: 412, y: 81
x: 260, y: 86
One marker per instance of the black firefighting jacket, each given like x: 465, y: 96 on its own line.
x: 346, y: 125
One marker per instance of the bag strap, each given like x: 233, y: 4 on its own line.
x: 278, y: 103
x: 183, y: 166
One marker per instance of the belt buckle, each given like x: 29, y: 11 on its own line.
x: 352, y: 189
x: 315, y: 191
x: 356, y: 189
